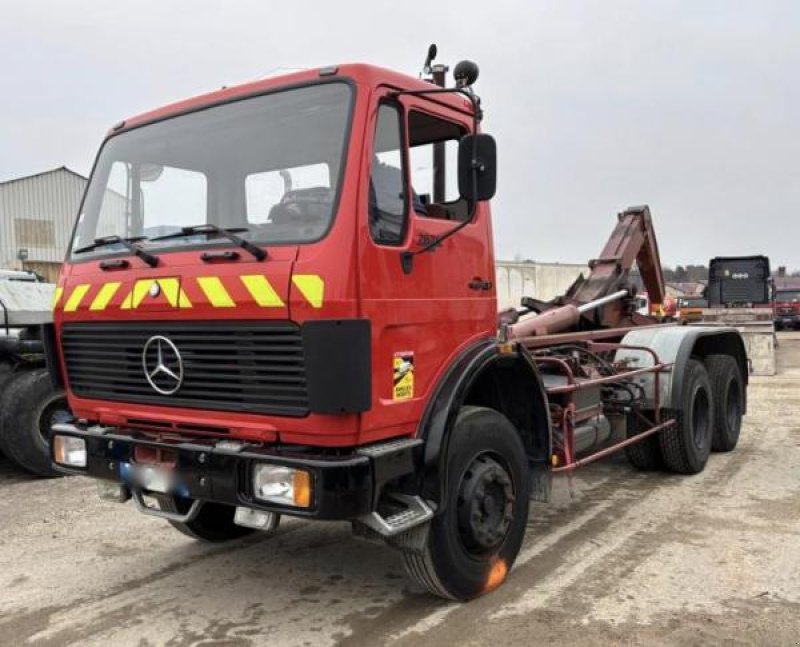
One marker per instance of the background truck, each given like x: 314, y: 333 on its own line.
x: 738, y: 281
x: 29, y: 402
x: 690, y: 309
x: 293, y: 311
x: 786, y: 308
x: 739, y: 294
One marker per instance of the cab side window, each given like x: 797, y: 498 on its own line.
x: 433, y: 156
x: 387, y: 188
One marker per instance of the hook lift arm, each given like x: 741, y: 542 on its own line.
x: 607, y: 288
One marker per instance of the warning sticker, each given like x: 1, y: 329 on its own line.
x: 403, y: 378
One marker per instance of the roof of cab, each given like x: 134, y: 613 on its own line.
x: 360, y: 73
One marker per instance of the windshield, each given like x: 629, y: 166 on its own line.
x: 788, y: 296
x: 692, y: 303
x: 271, y: 164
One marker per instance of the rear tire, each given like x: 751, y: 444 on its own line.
x: 29, y: 406
x: 6, y: 374
x: 214, y: 522
x: 473, y: 542
x: 728, y: 391
x: 646, y: 454
x: 686, y: 446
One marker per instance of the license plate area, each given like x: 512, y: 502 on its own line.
x: 151, y: 478
x: 151, y: 469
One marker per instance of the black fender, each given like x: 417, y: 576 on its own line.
x: 485, y: 375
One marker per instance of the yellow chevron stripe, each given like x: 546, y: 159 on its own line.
x: 215, y: 292
x: 57, y: 296
x: 137, y: 294
x: 175, y: 296
x: 104, y: 296
x: 262, y: 292
x: 76, y: 297
x: 312, y: 287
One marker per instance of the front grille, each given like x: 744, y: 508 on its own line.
x: 227, y: 366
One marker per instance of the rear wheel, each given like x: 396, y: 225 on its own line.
x: 29, y: 407
x: 685, y: 447
x: 6, y: 373
x: 473, y: 542
x: 728, y: 392
x: 646, y: 454
x: 213, y: 523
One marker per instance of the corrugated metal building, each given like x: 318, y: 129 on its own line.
x: 37, y: 213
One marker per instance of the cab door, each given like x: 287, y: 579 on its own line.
x: 424, y: 312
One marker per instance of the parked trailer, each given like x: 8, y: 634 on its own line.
x: 29, y: 401
x: 324, y: 342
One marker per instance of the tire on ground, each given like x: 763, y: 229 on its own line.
x: 28, y: 407
x: 646, y: 454
x: 213, y: 523
x: 728, y: 391
x: 6, y: 374
x: 685, y: 446
x: 462, y: 559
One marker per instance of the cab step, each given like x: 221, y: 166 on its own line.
x: 417, y: 511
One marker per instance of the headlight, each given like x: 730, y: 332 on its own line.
x: 282, y: 485
x: 69, y: 451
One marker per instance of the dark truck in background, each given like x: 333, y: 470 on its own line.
x: 738, y: 281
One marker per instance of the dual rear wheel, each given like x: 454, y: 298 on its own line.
x: 708, y: 415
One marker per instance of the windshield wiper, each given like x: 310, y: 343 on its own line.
x: 127, y: 243
x: 230, y: 233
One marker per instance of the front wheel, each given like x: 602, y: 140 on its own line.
x: 473, y: 542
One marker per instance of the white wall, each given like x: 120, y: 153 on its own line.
x: 539, y: 280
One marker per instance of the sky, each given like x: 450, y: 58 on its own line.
x: 692, y: 107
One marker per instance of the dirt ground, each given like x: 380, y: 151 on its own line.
x: 619, y: 557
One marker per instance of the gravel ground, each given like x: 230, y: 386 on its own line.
x: 618, y: 557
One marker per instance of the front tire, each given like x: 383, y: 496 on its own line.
x: 685, y: 447
x: 473, y: 542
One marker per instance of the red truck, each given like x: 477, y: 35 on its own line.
x: 280, y: 300
x: 786, y: 308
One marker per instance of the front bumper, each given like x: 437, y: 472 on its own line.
x: 345, y: 485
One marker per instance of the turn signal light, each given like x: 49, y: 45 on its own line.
x: 302, y: 489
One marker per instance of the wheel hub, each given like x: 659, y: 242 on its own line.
x: 485, y: 504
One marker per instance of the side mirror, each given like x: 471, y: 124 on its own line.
x: 477, y: 167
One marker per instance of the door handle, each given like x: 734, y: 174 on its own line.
x: 479, y: 284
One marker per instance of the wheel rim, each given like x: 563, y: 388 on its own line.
x: 53, y: 412
x: 485, y: 504
x: 733, y: 406
x: 700, y: 418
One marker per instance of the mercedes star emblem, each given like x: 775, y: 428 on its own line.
x: 163, y: 365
